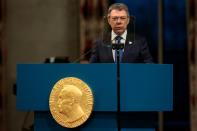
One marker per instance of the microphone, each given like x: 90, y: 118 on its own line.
x: 108, y: 45
x: 82, y: 56
x: 117, y: 46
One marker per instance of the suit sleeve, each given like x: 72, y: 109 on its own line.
x: 145, y: 53
x: 94, y: 54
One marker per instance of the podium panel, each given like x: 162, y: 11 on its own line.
x: 35, y: 82
x: 45, y: 122
x: 143, y: 87
x: 146, y: 87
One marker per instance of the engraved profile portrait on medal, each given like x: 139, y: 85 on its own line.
x: 69, y: 103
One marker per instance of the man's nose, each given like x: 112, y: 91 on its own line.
x: 118, y: 20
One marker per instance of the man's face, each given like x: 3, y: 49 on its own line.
x: 65, y: 103
x: 118, y: 20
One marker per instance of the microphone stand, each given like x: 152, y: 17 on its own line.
x: 117, y: 47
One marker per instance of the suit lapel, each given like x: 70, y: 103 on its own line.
x: 107, y: 41
x: 128, y: 44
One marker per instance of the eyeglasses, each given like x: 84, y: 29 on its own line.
x: 122, y: 18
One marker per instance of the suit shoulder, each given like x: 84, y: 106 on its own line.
x: 139, y: 37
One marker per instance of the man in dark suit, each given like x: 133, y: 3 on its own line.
x: 135, y: 51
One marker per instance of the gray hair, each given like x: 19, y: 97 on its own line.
x: 118, y: 6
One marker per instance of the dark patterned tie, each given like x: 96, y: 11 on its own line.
x: 118, y: 41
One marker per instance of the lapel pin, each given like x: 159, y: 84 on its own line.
x: 130, y: 43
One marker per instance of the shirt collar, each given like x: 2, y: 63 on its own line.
x: 113, y: 35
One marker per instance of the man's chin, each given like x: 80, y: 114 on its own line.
x: 120, y: 32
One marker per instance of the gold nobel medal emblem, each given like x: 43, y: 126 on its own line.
x: 71, y: 102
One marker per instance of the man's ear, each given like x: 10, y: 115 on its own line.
x: 128, y: 20
x: 108, y: 19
